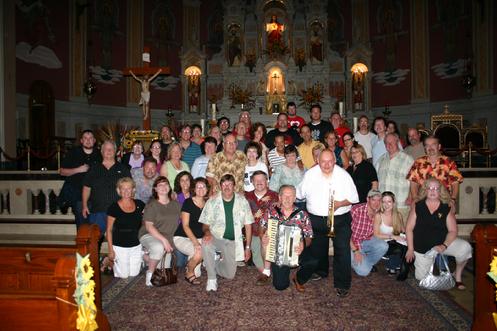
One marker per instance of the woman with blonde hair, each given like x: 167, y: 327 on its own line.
x: 124, y: 219
x: 432, y: 227
x: 174, y: 165
x: 362, y: 172
x: 389, y: 226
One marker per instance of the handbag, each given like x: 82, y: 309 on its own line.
x: 165, y: 276
x: 442, y: 282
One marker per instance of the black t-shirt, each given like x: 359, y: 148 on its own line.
x: 126, y: 225
x: 319, y: 130
x: 430, y: 229
x: 102, y: 182
x: 363, y: 175
x: 292, y: 137
x: 77, y: 157
x: 194, y: 211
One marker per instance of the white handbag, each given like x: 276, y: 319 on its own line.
x: 442, y: 282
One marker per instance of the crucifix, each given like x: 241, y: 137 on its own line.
x: 148, y: 74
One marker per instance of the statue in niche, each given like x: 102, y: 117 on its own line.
x: 316, y: 42
x: 234, y: 46
x: 194, y: 93
x: 274, y: 31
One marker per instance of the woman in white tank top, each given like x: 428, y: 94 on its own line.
x: 388, y: 225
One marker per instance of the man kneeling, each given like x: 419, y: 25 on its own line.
x: 367, y: 250
x: 223, y: 217
x: 290, y: 215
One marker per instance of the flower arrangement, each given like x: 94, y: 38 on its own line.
x: 240, y: 96
x: 312, y: 95
x: 84, y: 295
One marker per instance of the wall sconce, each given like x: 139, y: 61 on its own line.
x: 193, y: 73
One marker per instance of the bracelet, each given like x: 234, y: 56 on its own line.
x: 247, y: 247
x: 443, y: 244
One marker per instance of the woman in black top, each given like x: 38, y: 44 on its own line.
x: 124, y: 219
x: 362, y: 172
x: 188, y: 237
x: 431, y: 226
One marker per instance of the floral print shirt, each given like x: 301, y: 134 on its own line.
x: 298, y: 218
x: 445, y: 170
x: 219, y: 165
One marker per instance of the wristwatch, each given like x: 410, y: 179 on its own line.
x: 247, y: 247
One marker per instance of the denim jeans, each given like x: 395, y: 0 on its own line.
x: 372, y: 250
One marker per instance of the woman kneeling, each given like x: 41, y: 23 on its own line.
x: 431, y: 224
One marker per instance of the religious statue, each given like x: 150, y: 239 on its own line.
x: 193, y: 92
x: 234, y: 46
x: 145, y: 93
x: 275, y: 36
x: 316, y: 42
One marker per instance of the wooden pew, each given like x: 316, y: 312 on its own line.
x: 485, y: 237
x: 37, y: 284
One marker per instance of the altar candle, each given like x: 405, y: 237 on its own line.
x: 202, y: 124
x: 213, y: 111
x: 340, y: 108
x: 355, y: 124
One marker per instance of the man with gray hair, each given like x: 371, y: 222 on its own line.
x: 392, y: 169
x: 99, y: 186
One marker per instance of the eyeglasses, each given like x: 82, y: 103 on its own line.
x: 433, y: 188
x: 155, y: 147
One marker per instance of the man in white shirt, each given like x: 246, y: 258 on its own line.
x: 363, y: 136
x: 318, y: 185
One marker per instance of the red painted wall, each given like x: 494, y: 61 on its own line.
x: 450, y: 88
x: 104, y: 31
x: 42, y: 35
x: 382, y: 92
x: 165, y: 99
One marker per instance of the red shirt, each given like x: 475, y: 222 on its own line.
x: 295, y: 121
x: 260, y: 206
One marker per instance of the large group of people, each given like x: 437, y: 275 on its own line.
x: 208, y: 200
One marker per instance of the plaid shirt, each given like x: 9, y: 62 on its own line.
x: 362, y: 225
x: 392, y: 175
x: 445, y: 170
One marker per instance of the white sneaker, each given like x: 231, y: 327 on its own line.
x: 148, y: 278
x: 211, y: 285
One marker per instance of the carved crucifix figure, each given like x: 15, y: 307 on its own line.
x: 145, y: 93
x: 148, y: 75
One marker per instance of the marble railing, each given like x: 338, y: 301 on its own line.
x: 31, y: 198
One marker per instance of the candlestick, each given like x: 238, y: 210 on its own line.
x: 354, y: 120
x: 202, y: 124
x: 340, y: 108
x: 213, y: 111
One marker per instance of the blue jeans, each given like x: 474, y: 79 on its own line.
x: 99, y: 219
x: 372, y: 250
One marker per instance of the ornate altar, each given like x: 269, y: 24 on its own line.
x: 145, y: 136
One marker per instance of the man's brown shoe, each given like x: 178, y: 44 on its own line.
x: 300, y: 288
x: 263, y: 279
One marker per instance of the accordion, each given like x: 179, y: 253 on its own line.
x: 283, y: 240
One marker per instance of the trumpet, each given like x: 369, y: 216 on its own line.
x: 331, y: 215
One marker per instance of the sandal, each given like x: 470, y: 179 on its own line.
x: 192, y: 280
x: 460, y: 286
